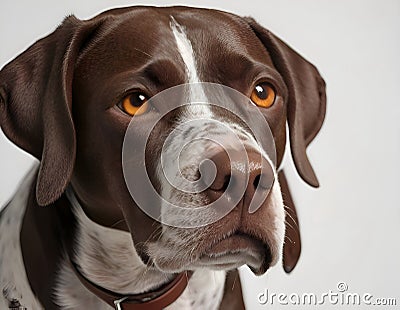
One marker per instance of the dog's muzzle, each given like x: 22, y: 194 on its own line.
x: 219, y: 149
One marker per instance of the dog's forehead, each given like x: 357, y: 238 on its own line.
x: 224, y: 46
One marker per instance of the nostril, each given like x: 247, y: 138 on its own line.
x: 214, y: 177
x: 264, y: 181
x: 256, y: 181
x: 227, y: 180
x: 221, y: 185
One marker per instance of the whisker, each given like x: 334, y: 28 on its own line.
x: 290, y: 240
x: 234, y: 280
x: 292, y: 218
x: 118, y: 222
x: 143, y: 52
x: 288, y: 224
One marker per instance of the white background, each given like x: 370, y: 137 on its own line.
x: 350, y: 226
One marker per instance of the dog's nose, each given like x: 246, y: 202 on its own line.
x: 248, y: 171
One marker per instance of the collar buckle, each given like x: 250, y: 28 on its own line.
x: 117, y: 303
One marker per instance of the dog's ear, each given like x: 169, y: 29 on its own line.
x: 306, y: 102
x: 35, y: 104
x: 292, y: 243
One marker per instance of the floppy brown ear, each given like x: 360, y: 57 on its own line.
x: 306, y: 102
x: 35, y: 104
x: 292, y: 244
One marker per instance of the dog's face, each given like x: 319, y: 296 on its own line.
x: 83, y: 92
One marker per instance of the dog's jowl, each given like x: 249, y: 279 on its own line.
x: 159, y: 134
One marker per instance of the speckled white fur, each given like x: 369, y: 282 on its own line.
x: 13, y: 280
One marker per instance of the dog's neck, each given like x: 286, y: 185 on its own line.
x: 107, y: 257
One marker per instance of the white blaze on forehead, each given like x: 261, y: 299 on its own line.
x: 185, y: 49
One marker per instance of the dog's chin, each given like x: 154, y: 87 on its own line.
x: 225, y: 254
x: 235, y: 251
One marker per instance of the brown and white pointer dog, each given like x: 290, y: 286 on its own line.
x: 72, y: 237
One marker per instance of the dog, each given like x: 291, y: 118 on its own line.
x: 73, y: 236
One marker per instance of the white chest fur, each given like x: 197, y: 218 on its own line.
x: 204, y: 291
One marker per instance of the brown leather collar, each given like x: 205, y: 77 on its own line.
x: 155, y: 300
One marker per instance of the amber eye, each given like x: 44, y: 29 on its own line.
x: 134, y: 104
x: 263, y: 95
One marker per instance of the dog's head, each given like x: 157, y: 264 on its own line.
x: 69, y: 98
